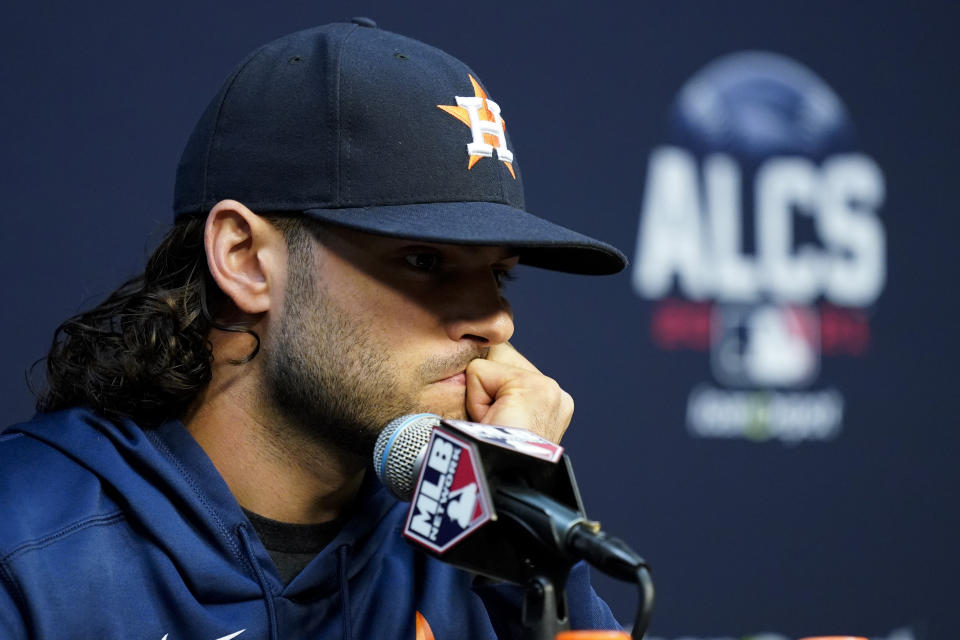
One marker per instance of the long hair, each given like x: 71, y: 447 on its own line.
x: 144, y: 352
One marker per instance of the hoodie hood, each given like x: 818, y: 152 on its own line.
x: 157, y: 490
x: 165, y: 483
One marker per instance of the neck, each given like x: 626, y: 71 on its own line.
x: 270, y: 467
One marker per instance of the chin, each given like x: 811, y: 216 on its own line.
x: 453, y: 406
x: 450, y: 412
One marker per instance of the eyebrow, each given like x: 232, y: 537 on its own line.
x: 506, y: 253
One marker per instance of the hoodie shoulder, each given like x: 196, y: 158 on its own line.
x: 45, y: 492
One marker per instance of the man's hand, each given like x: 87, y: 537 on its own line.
x: 506, y: 389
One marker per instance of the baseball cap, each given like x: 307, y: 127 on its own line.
x: 360, y: 127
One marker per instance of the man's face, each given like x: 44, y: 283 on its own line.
x: 372, y: 328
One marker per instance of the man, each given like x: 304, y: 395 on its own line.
x: 348, y: 209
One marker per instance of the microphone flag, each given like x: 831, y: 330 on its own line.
x: 453, y: 513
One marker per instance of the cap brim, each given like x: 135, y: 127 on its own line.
x: 540, y: 243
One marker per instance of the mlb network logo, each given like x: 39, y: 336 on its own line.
x: 450, y: 500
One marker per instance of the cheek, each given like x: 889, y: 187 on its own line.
x: 404, y: 327
x: 387, y: 309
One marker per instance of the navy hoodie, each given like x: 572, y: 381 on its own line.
x: 110, y: 531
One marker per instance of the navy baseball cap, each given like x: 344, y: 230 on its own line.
x: 374, y: 131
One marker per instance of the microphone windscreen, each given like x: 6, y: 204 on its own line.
x: 399, y: 452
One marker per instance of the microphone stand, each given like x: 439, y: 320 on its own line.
x: 573, y: 536
x: 544, y: 609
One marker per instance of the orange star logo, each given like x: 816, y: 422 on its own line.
x: 482, y: 115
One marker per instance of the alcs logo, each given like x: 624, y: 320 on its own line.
x: 760, y: 239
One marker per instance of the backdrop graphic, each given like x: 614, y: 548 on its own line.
x: 765, y: 398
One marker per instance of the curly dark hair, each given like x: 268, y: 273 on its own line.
x: 144, y: 353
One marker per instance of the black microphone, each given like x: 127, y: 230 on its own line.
x: 508, y: 508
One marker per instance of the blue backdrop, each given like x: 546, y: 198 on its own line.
x: 764, y: 399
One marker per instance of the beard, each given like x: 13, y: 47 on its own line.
x: 332, y: 382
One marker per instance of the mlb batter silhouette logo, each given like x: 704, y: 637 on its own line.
x: 519, y: 440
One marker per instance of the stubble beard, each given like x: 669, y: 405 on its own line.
x: 332, y: 383
x: 326, y: 378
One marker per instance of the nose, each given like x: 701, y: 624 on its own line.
x: 486, y: 323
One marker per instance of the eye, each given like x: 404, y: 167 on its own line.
x: 504, y: 276
x: 423, y: 261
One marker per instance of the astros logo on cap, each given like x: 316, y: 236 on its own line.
x: 489, y: 131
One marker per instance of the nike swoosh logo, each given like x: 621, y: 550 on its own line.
x: 228, y: 637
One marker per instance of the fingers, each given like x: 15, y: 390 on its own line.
x: 506, y: 354
x: 506, y: 389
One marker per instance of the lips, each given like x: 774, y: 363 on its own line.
x: 451, y: 368
x: 457, y: 378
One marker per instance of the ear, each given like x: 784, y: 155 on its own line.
x: 245, y: 254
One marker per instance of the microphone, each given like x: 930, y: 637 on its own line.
x: 398, y: 453
x: 494, y: 500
